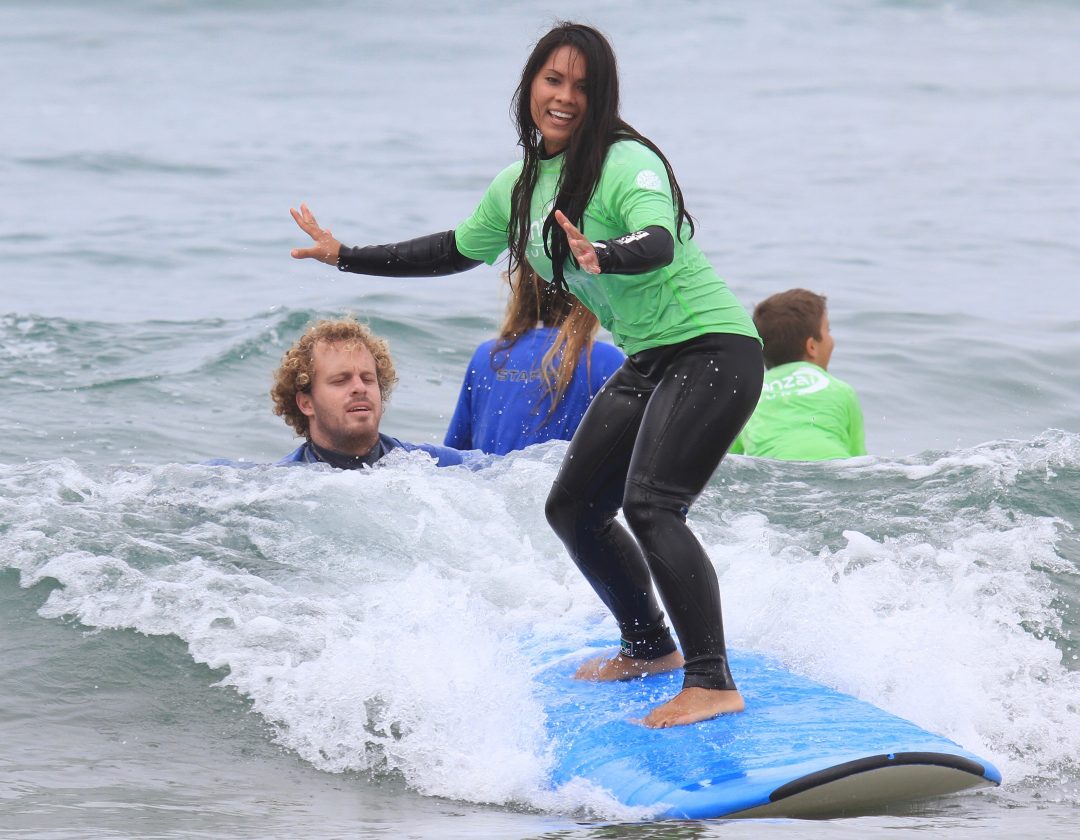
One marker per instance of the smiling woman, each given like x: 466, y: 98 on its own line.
x: 653, y: 436
x: 557, y: 98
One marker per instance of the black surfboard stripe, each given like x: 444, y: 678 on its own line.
x: 875, y: 762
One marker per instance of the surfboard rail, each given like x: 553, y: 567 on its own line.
x: 867, y: 785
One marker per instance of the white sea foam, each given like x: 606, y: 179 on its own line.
x: 390, y: 621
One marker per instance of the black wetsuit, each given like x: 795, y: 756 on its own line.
x: 649, y: 443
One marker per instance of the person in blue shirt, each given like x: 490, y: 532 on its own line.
x: 331, y: 388
x: 534, y: 382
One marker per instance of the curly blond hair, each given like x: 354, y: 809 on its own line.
x: 298, y: 365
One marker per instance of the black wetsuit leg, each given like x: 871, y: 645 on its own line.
x: 649, y: 443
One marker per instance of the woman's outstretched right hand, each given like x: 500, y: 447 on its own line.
x: 325, y: 249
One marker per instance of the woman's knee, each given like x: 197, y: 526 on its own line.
x: 646, y: 510
x: 561, y: 510
x: 570, y: 515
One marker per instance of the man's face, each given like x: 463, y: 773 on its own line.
x: 344, y: 405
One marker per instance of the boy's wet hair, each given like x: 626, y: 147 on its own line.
x: 785, y: 320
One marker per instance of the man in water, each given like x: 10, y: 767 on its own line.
x: 331, y: 388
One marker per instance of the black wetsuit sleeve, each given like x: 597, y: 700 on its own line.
x: 425, y: 256
x: 636, y: 253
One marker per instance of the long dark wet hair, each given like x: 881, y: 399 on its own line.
x: 585, y: 152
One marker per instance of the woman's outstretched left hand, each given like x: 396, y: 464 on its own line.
x: 580, y: 247
x: 325, y: 249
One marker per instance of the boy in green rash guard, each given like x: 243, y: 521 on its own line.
x: 805, y: 413
x: 595, y: 208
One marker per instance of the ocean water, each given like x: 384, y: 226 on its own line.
x: 191, y: 651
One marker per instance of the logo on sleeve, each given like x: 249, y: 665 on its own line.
x: 649, y: 180
x: 629, y: 239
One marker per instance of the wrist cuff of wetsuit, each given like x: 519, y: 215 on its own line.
x: 639, y: 252
x: 378, y: 260
x: 603, y: 256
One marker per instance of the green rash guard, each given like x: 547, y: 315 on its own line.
x: 804, y: 414
x: 680, y: 301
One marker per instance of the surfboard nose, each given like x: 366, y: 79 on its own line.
x: 800, y: 750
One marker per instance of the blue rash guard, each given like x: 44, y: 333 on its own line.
x: 444, y: 456
x: 502, y: 405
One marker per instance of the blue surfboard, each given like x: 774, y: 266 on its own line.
x: 801, y: 749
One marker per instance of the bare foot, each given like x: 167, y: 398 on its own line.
x: 692, y: 705
x: 619, y: 667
